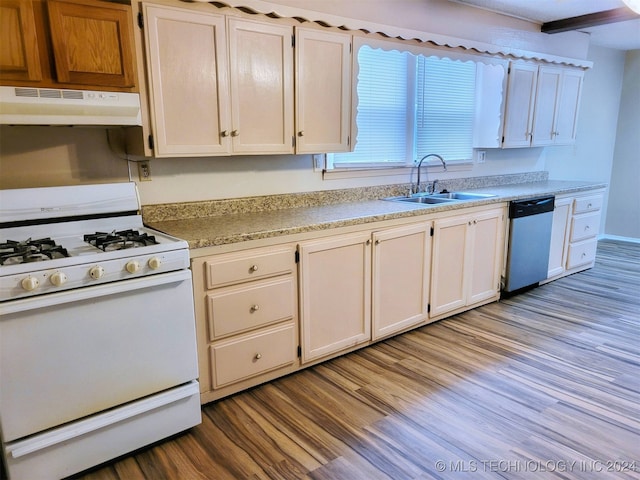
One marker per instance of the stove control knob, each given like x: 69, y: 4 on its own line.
x: 133, y: 266
x: 154, y: 263
x: 58, y: 279
x: 30, y: 283
x: 96, y: 272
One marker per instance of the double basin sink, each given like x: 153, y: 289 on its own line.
x: 438, y: 198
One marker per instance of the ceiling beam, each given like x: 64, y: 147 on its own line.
x: 589, y: 20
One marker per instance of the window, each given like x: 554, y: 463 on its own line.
x: 409, y: 106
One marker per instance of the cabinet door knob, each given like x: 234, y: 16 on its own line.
x: 258, y: 356
x: 301, y: 133
x: 254, y: 308
x: 235, y: 133
x: 253, y: 268
x: 224, y: 133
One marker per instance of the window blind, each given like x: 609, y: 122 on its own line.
x: 445, y: 108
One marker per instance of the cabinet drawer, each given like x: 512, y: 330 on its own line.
x: 231, y: 268
x: 587, y: 204
x: 584, y: 226
x: 250, y: 355
x: 581, y: 253
x: 241, y: 308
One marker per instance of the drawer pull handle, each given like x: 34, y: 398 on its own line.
x: 253, y: 268
x: 586, y: 227
x: 258, y: 356
x: 254, y: 308
x: 589, y: 206
x: 583, y: 254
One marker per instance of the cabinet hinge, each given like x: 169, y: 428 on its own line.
x: 299, y: 351
x: 297, y: 256
x: 503, y: 139
x: 428, y: 308
x: 293, y: 41
x: 508, y: 70
x: 431, y: 233
x: 349, y: 140
x: 293, y: 141
x: 151, y: 142
x: 140, y: 20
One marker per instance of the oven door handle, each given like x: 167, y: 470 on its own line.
x: 87, y: 293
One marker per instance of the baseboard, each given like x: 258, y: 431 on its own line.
x: 619, y: 238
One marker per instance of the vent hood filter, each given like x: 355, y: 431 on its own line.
x: 48, y: 106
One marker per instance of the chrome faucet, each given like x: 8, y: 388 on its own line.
x: 416, y: 189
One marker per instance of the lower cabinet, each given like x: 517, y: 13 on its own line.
x: 262, y: 313
x: 359, y: 287
x: 246, y: 315
x: 468, y: 252
x: 576, y: 222
x: 558, y: 249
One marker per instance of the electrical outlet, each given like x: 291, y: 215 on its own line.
x: 481, y: 156
x: 144, y: 171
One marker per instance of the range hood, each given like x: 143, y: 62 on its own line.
x: 50, y: 106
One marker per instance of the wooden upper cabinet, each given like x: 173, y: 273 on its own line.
x: 261, y: 85
x: 189, y: 92
x: 323, y: 91
x: 19, y: 54
x: 92, y: 42
x: 85, y: 44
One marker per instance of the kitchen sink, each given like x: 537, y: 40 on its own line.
x: 463, y: 195
x: 438, y: 198
x: 420, y: 199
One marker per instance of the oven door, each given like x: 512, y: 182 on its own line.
x: 71, y: 354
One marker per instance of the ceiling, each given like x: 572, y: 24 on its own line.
x: 621, y: 35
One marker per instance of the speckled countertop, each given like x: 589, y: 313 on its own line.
x: 221, y: 222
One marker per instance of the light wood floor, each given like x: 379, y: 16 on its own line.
x: 544, y: 382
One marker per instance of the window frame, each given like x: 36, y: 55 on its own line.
x: 346, y: 169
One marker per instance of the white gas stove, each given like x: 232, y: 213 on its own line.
x: 51, y: 240
x: 97, y: 330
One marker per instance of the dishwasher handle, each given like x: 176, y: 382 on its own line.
x: 531, y: 206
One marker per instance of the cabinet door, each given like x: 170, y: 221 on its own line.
x: 187, y: 65
x: 521, y: 90
x: 335, y: 294
x: 448, y: 279
x: 261, y: 78
x: 546, y: 104
x: 19, y: 53
x: 401, y: 260
x: 323, y: 91
x: 568, y: 106
x: 558, y: 251
x: 92, y: 42
x: 486, y: 242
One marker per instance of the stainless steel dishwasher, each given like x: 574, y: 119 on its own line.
x: 529, y: 242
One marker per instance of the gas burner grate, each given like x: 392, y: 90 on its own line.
x: 119, y: 240
x: 15, y: 252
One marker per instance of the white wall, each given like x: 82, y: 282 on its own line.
x: 623, y: 216
x: 591, y: 158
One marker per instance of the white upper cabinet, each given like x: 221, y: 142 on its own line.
x: 188, y: 87
x: 568, y: 106
x: 542, y: 105
x: 323, y: 91
x: 521, y: 90
x: 261, y: 78
x: 557, y: 101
